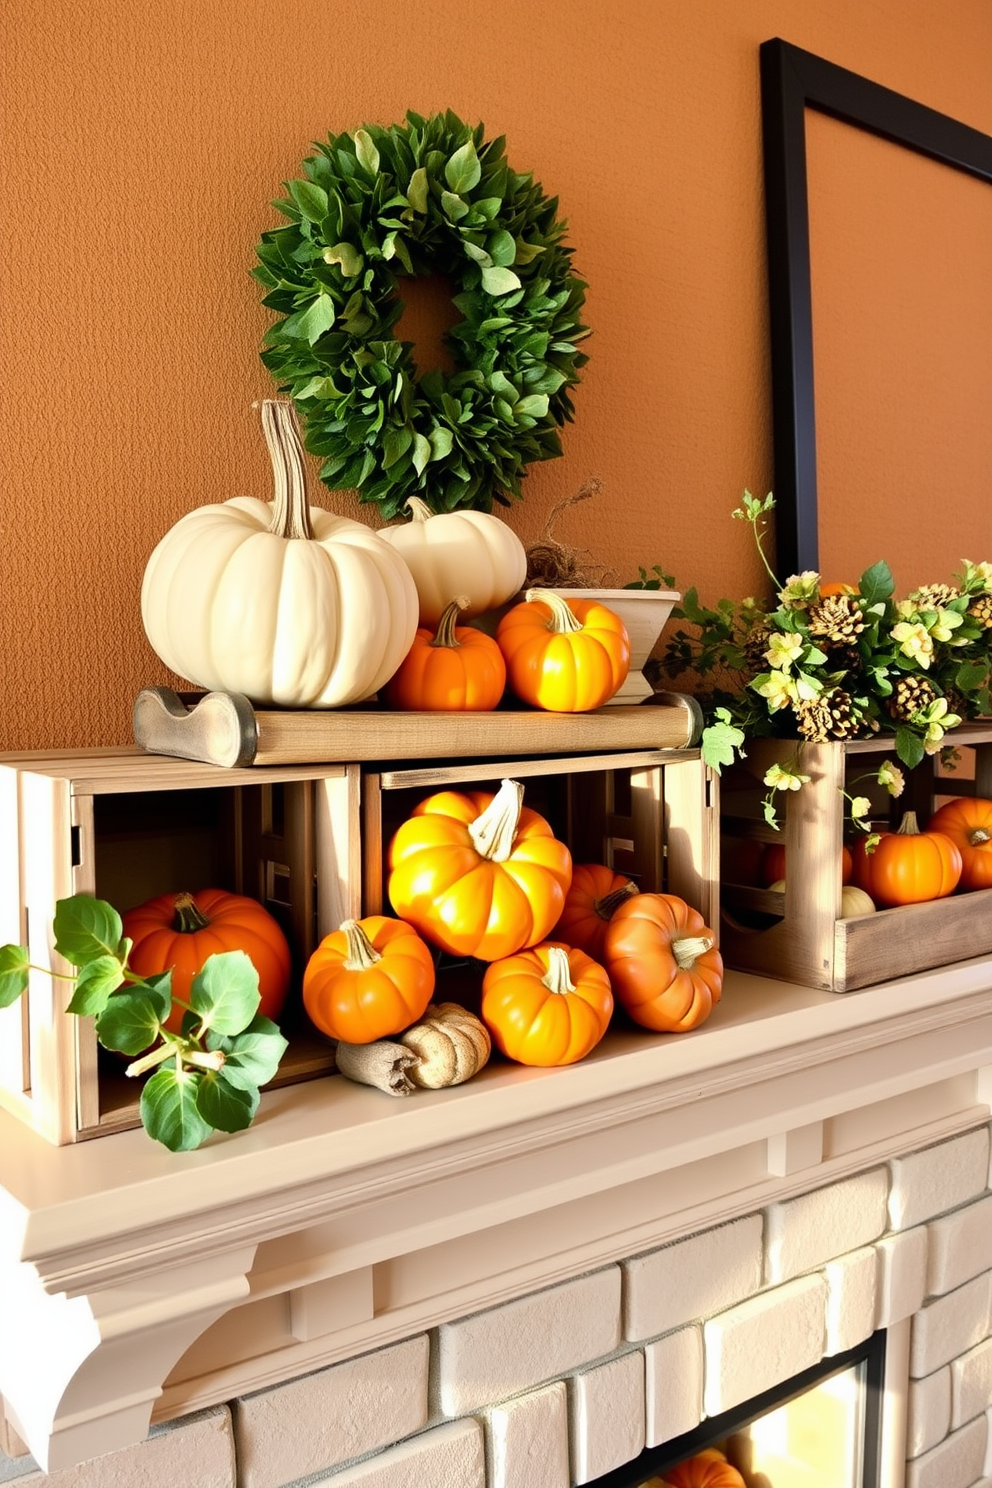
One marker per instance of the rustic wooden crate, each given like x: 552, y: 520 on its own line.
x: 798, y: 935
x: 126, y: 825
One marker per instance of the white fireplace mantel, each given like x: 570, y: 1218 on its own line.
x: 137, y: 1285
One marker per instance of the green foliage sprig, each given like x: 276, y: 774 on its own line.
x: 207, y: 1077
x: 426, y: 197
x: 851, y: 663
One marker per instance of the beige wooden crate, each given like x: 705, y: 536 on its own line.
x: 125, y: 825
x: 799, y: 935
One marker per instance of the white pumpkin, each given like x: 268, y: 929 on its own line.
x: 853, y: 901
x: 461, y: 552
x: 288, y: 604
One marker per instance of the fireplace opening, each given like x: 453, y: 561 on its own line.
x: 819, y: 1429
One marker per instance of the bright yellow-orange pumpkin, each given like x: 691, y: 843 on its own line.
x: 546, y: 1006
x: 565, y: 656
x: 479, y: 875
x: 594, y: 893
x: 968, y: 823
x: 908, y: 866
x: 662, y: 962
x: 709, y: 1469
x: 368, y: 979
x: 178, y: 932
x: 453, y: 669
x: 772, y: 865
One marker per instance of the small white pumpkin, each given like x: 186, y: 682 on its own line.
x: 451, y: 1045
x: 288, y: 604
x: 853, y: 901
x: 460, y: 552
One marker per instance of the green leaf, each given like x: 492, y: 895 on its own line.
x: 970, y: 675
x: 441, y: 441
x: 416, y: 192
x: 159, y: 990
x: 477, y: 254
x: 876, y: 584
x: 534, y: 406
x: 226, y: 1106
x: 86, y: 928
x: 502, y: 247
x: 909, y: 747
x: 312, y: 322
x: 13, y: 973
x: 498, y: 281
x: 311, y: 199
x: 721, y: 742
x: 225, y: 993
x: 253, y: 1056
x: 395, y: 445
x: 463, y: 170
x: 346, y: 257
x: 128, y: 1023
x: 169, y: 1112
x: 95, y: 984
x: 366, y: 152
x: 421, y: 453
x: 454, y: 208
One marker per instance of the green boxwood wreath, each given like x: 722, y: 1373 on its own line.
x: 426, y: 197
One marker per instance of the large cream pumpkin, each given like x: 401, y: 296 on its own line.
x: 289, y: 604
x: 461, y: 552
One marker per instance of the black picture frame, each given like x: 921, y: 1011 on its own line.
x: 792, y: 81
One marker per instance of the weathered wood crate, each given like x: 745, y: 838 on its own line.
x: 305, y: 840
x: 799, y: 935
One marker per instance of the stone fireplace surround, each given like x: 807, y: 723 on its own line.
x: 519, y: 1283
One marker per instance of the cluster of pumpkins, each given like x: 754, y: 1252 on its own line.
x: 708, y: 1469
x: 910, y: 866
x: 478, y: 875
x: 296, y: 607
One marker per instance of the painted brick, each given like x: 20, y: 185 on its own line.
x: 198, y: 1449
x: 928, y: 1183
x: 960, y: 1246
x: 762, y: 1342
x: 324, y: 1419
x: 949, y: 1326
x: 954, y: 1463
x: 987, y: 1464
x: 692, y: 1279
x: 902, y: 1275
x: 929, y: 1411
x: 673, y: 1385
x: 607, y: 1408
x: 507, y: 1349
x: 851, y: 1287
x: 528, y: 1440
x: 971, y: 1384
x: 450, y: 1454
x: 803, y: 1233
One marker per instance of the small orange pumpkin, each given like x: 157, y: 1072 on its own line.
x: 968, y: 823
x: 663, y: 963
x: 454, y: 669
x: 549, y: 1005
x: 567, y: 656
x: 479, y: 874
x: 594, y: 893
x: 908, y: 866
x: 709, y: 1469
x: 178, y: 932
x: 368, y: 979
x: 773, y: 864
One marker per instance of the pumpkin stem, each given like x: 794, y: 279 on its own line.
x: 558, y: 978
x: 188, y: 917
x: 563, y: 621
x: 909, y: 826
x: 688, y: 949
x: 610, y: 903
x: 418, y: 509
x: 494, y: 829
x: 979, y: 835
x: 362, y: 954
x: 291, y: 515
x: 445, y: 633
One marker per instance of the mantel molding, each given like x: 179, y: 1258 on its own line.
x: 120, y: 1255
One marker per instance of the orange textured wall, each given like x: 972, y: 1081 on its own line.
x: 142, y: 145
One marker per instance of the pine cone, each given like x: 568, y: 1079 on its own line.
x: 836, y: 619
x: 814, y: 719
x: 910, y: 694
x: 830, y: 716
x: 980, y: 609
x: 934, y: 596
x: 755, y: 644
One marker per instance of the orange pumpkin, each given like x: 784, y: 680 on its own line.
x: 709, y: 1469
x: 663, y: 963
x: 546, y: 1006
x: 563, y: 655
x: 908, y: 866
x: 178, y: 932
x: 968, y: 823
x: 479, y: 875
x: 837, y: 586
x: 455, y: 669
x: 593, y: 895
x: 773, y: 864
x: 368, y: 979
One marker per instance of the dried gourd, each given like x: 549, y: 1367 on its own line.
x: 451, y: 1045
